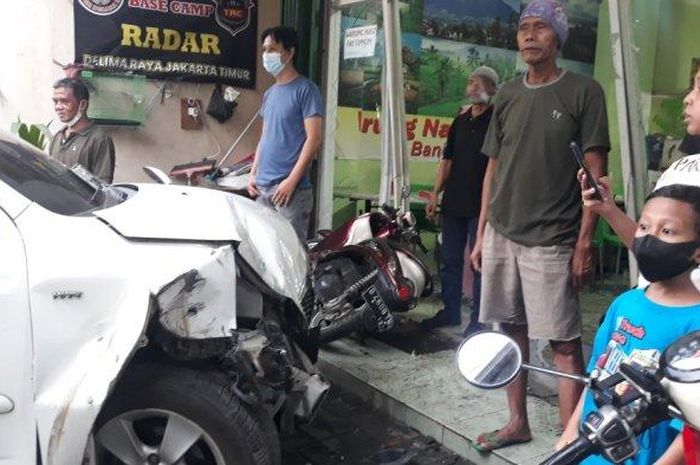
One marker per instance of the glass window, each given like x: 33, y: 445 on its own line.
x: 660, y: 39
x: 49, y: 183
x: 443, y: 42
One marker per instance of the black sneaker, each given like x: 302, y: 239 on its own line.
x: 441, y: 318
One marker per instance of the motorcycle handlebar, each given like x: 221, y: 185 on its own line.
x: 573, y: 453
x: 389, y: 210
x: 407, y: 231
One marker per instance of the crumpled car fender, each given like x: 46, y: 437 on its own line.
x: 201, y: 302
x: 92, y: 297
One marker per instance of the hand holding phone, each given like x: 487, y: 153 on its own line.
x: 590, y: 180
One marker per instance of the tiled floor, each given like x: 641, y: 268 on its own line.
x: 427, y: 393
x: 348, y: 430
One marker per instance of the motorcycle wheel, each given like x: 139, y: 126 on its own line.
x: 344, y: 325
x: 163, y: 414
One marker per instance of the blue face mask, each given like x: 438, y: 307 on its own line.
x: 272, y: 62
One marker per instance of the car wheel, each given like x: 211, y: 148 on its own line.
x: 163, y: 415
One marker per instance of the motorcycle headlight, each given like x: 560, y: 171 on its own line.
x: 681, y: 360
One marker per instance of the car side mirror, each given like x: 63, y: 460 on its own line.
x: 157, y: 175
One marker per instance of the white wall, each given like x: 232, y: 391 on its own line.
x: 37, y: 32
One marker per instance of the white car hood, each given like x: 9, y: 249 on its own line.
x: 266, y: 241
x: 271, y: 247
x: 173, y: 213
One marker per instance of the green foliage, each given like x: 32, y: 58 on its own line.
x: 412, y: 16
x: 35, y: 134
x: 670, y: 118
x: 442, y: 79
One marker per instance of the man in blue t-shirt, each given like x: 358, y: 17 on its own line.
x: 291, y: 135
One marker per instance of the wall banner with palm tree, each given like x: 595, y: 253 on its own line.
x: 443, y: 42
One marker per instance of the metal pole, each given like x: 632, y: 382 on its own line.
x: 633, y: 181
x: 581, y: 379
x: 238, y: 139
x: 330, y: 122
x: 390, y: 107
x: 403, y: 185
x: 638, y: 153
x: 388, y: 167
x: 386, y: 164
x: 394, y: 113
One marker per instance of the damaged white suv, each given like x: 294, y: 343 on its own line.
x: 146, y: 324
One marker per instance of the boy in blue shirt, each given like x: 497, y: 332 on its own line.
x: 641, y: 323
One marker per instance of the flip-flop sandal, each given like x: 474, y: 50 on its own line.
x: 486, y: 442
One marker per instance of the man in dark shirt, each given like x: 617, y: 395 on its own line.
x: 461, y: 175
x: 80, y: 141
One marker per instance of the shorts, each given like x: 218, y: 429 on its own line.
x: 530, y: 286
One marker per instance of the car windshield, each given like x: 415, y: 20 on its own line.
x: 49, y: 183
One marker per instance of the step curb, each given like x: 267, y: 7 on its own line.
x: 421, y: 420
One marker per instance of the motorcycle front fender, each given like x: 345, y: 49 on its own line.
x: 416, y: 271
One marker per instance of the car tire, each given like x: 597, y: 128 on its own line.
x: 270, y: 433
x: 154, y: 397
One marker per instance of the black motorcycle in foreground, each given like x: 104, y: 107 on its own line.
x: 629, y: 402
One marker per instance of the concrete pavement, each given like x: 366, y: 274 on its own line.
x: 426, y: 393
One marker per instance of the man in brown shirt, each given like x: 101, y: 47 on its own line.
x: 535, y: 238
x: 80, y: 141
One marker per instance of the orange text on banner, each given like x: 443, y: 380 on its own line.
x: 358, y: 135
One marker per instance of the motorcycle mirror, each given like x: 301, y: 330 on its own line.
x: 489, y: 360
x: 157, y: 175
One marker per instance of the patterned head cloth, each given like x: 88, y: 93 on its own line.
x: 551, y: 12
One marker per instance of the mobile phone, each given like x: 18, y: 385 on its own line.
x: 590, y: 180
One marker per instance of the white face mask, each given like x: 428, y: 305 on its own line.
x: 272, y: 62
x: 74, y: 120
x: 481, y: 98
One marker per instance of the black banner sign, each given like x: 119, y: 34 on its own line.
x: 192, y: 40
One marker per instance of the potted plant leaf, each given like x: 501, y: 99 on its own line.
x: 35, y: 134
x: 669, y: 121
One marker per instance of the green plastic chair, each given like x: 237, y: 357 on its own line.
x: 604, y: 235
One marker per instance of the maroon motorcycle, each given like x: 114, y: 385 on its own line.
x: 364, y: 271
x: 367, y: 270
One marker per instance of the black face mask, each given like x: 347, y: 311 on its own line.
x: 659, y: 260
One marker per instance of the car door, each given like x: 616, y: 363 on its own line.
x: 17, y: 427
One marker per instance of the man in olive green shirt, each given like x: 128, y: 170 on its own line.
x: 534, y: 243
x: 80, y: 141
